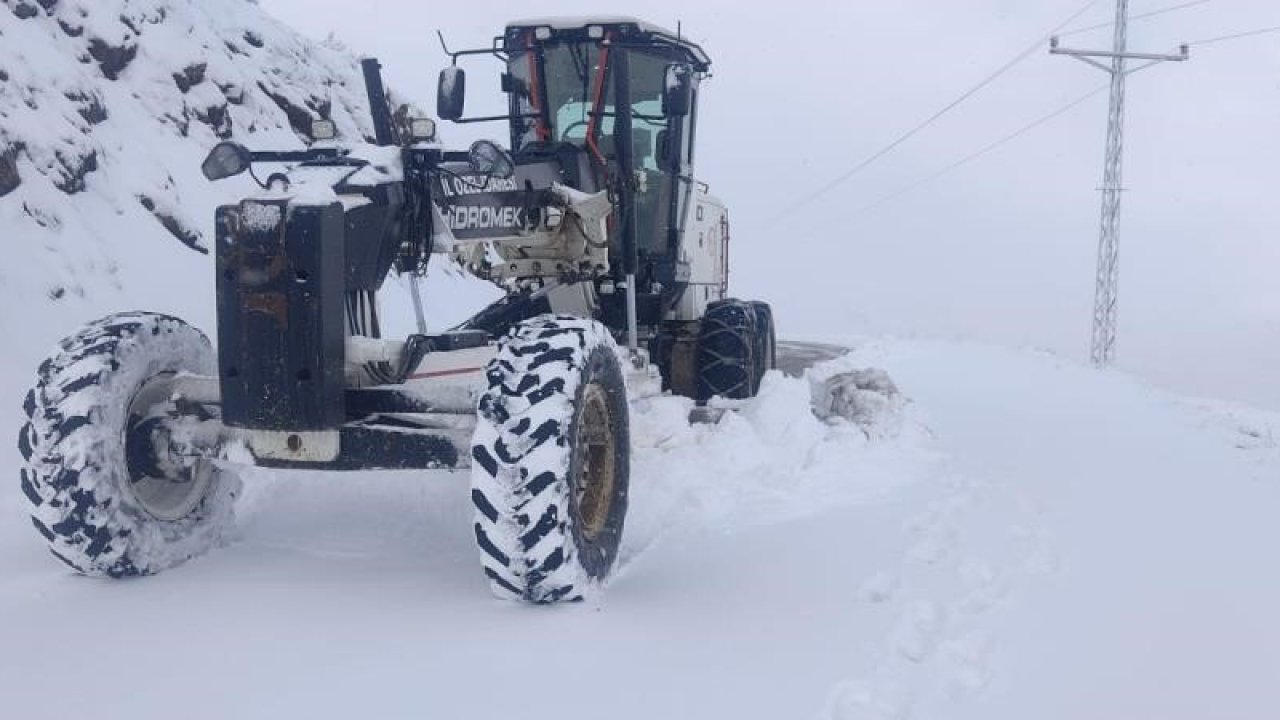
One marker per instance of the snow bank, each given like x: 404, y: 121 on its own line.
x: 778, y: 460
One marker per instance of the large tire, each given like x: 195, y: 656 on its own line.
x: 727, y: 351
x: 766, y: 342
x: 551, y: 461
x: 98, y: 494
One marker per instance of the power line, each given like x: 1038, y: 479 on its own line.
x: 1028, y: 52
x: 1045, y: 119
x: 911, y: 187
x: 985, y: 150
x: 1237, y: 36
x: 1142, y: 16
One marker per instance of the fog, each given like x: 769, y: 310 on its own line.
x: 1002, y: 249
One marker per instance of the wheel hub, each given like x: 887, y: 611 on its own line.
x: 163, y: 481
x: 596, y: 450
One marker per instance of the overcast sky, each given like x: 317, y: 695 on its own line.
x: 1002, y: 249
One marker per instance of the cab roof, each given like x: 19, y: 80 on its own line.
x: 627, y: 29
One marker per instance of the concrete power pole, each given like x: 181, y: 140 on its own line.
x: 1104, y: 303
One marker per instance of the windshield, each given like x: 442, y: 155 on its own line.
x: 646, y: 122
x: 571, y: 82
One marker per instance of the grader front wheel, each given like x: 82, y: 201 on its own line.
x: 103, y: 489
x: 551, y: 461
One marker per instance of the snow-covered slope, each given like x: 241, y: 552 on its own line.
x: 1038, y: 539
x: 107, y: 109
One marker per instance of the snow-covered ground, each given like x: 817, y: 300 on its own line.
x: 1027, y: 538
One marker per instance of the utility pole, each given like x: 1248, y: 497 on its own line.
x: 1104, y: 302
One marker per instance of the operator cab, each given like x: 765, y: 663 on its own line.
x: 563, y: 88
x: 564, y: 91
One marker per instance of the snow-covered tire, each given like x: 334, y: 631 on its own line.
x: 727, y: 351
x: 766, y: 342
x: 551, y: 460
x: 88, y: 496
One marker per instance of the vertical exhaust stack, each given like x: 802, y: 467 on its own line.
x: 384, y: 131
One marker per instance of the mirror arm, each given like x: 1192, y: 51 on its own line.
x: 455, y: 54
x: 258, y: 180
x: 491, y: 118
x: 444, y: 46
x: 295, y: 155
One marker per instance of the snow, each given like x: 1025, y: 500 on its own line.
x: 1037, y: 540
x: 260, y: 217
x: 313, y: 184
x: 89, y: 241
x: 385, y: 164
x: 865, y: 396
x: 1020, y: 536
x: 316, y: 188
x: 572, y: 22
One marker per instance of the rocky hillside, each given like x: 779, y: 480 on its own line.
x: 106, y: 110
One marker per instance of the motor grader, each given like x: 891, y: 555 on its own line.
x: 613, y: 259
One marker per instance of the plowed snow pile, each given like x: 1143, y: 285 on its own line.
x: 1027, y: 538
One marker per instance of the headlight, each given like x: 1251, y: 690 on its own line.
x: 422, y: 130
x: 323, y: 130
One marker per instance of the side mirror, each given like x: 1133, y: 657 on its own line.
x: 451, y: 93
x: 225, y: 160
x: 489, y: 159
x: 677, y: 91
